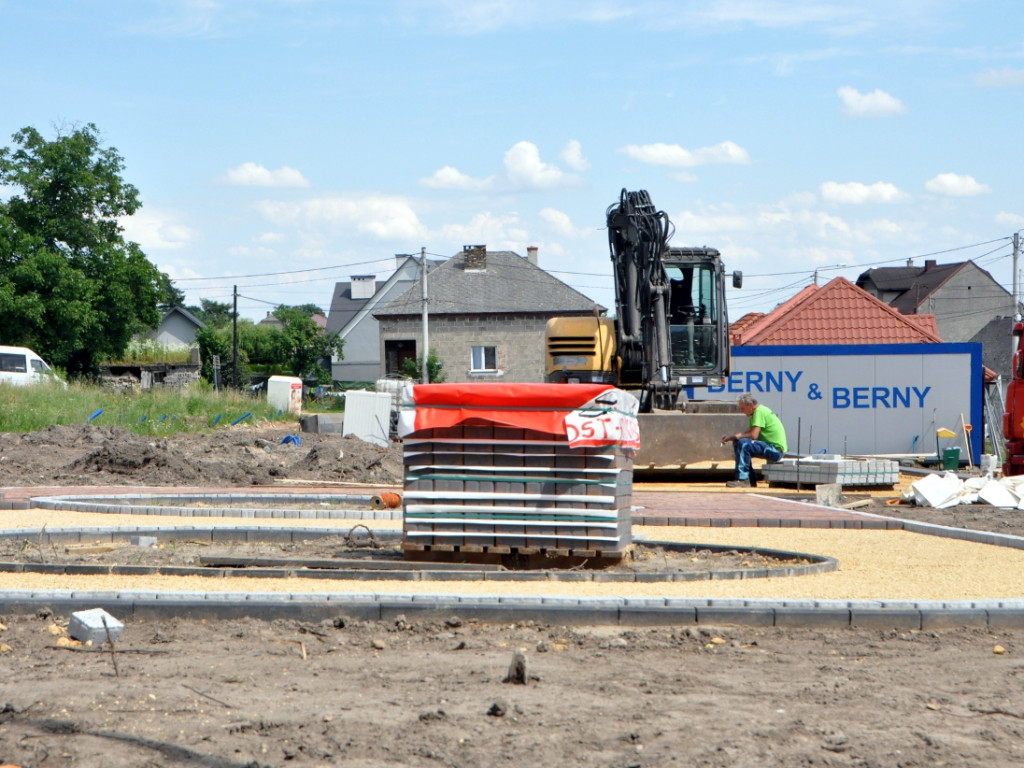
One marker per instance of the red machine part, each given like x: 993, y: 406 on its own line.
x: 1013, y: 416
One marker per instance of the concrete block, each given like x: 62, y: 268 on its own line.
x: 829, y: 494
x: 951, y: 619
x: 93, y: 625
x: 813, y: 619
x: 885, y: 618
x: 143, y: 541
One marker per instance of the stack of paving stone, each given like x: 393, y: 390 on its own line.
x: 489, y: 485
x: 816, y: 470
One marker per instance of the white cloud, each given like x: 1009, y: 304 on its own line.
x: 878, y: 103
x: 558, y: 221
x: 676, y: 156
x: 956, y: 185
x: 496, y: 232
x: 526, y: 170
x: 452, y: 178
x: 157, y: 230
x: 856, y: 193
x: 693, y: 223
x: 771, y: 14
x: 572, y: 156
x: 255, y: 175
x: 818, y: 223
x: 1014, y: 220
x: 383, y: 216
x: 1007, y: 77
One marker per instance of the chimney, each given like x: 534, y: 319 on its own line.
x: 363, y: 286
x: 929, y: 264
x: 476, y: 258
x: 531, y: 254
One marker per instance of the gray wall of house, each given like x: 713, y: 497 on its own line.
x: 176, y: 331
x: 966, y: 303
x: 518, y: 339
x: 361, y: 354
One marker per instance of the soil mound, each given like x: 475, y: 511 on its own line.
x: 231, y: 456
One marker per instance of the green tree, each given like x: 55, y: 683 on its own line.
x: 170, y: 295
x: 70, y: 286
x: 217, y: 314
x: 435, y: 368
x: 309, y: 346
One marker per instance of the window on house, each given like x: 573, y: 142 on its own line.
x: 485, y: 359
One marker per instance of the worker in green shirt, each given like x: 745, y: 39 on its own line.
x: 764, y: 437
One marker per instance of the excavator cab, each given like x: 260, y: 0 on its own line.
x: 698, y: 326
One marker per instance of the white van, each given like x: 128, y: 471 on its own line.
x: 20, y: 366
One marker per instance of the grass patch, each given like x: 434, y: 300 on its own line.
x: 158, y: 412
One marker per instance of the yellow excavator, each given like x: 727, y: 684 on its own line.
x: 670, y: 336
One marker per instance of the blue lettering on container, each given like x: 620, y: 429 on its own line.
x: 879, y: 397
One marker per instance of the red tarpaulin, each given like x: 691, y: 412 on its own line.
x: 541, y: 407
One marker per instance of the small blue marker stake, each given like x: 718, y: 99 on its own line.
x: 142, y: 418
x: 244, y: 416
x: 164, y: 417
x: 95, y: 415
x: 217, y: 420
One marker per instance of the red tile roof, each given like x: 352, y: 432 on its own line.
x: 836, y: 313
x: 737, y: 328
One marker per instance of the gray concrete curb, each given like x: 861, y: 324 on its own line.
x: 120, y: 504
x: 993, y: 615
x: 130, y: 606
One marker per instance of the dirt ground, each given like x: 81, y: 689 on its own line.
x: 231, y: 456
x: 346, y: 692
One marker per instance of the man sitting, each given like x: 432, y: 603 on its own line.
x: 764, y: 437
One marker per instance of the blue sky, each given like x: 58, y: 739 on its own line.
x: 283, y: 145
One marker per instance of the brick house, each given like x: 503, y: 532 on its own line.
x: 967, y: 302
x: 487, y: 315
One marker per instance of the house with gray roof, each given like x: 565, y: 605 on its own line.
x: 177, y: 329
x: 351, y: 317
x: 487, y: 311
x: 963, y: 297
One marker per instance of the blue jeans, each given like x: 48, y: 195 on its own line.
x: 745, y: 449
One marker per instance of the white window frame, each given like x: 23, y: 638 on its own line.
x: 479, y: 353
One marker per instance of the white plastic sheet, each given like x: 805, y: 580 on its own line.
x: 948, y: 490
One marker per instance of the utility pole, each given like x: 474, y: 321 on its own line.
x: 234, y: 335
x: 1016, y: 276
x: 426, y: 334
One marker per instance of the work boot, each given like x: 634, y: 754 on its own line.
x: 744, y: 483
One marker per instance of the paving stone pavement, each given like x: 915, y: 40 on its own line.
x: 711, y: 509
